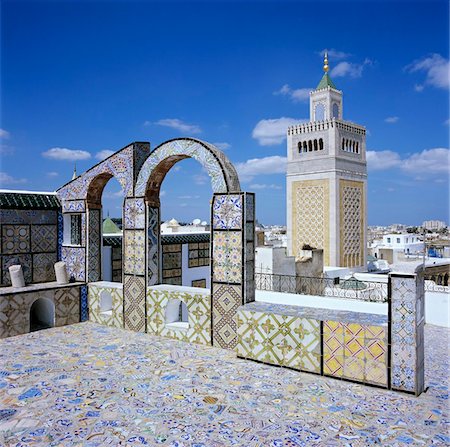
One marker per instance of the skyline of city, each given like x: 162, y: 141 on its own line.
x: 238, y: 89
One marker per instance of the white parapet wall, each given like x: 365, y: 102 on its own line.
x: 322, y: 302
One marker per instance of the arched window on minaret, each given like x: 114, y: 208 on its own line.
x: 320, y: 144
x: 310, y: 145
x: 305, y: 147
x: 319, y: 114
x: 315, y: 145
x: 335, y: 111
x: 343, y: 144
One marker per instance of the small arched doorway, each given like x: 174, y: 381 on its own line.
x: 42, y: 314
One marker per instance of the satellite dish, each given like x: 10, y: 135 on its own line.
x: 196, y: 222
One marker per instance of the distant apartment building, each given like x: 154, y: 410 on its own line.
x: 396, y: 247
x: 434, y: 225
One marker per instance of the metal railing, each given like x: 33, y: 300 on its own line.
x: 329, y: 287
x: 431, y: 286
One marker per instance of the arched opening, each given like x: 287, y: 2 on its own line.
x: 335, y: 111
x: 343, y: 144
x: 305, y: 147
x: 320, y: 144
x: 42, y: 314
x: 177, y: 315
x: 310, y: 146
x: 105, y: 198
x: 299, y: 146
x: 315, y: 145
x: 106, y: 304
x: 320, y: 112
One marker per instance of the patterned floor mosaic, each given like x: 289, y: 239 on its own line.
x: 92, y: 385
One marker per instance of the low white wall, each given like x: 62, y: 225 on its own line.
x: 437, y: 308
x: 321, y: 302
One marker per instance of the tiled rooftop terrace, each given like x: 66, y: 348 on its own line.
x: 92, y: 385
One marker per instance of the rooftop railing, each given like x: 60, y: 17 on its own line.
x: 351, y: 288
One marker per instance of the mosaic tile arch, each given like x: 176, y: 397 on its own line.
x: 223, y: 175
x: 123, y: 165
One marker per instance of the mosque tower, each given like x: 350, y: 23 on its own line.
x: 327, y: 181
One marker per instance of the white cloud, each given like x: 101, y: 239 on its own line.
x: 52, y: 174
x: 162, y: 193
x: 188, y: 197
x: 391, y: 119
x: 447, y: 122
x: 200, y: 179
x: 418, y: 87
x: 258, y: 166
x: 177, y: 124
x: 222, y: 146
x: 335, y: 54
x: 6, y: 179
x: 380, y: 160
x: 429, y: 161
x: 296, y: 95
x: 264, y: 186
x: 353, y: 70
x: 4, y: 133
x: 113, y: 195
x: 436, y: 68
x: 273, y: 131
x: 105, y: 153
x: 61, y: 153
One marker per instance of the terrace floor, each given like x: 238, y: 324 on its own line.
x: 92, y: 385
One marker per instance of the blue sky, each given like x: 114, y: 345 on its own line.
x: 91, y: 77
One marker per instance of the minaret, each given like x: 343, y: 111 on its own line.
x: 327, y: 181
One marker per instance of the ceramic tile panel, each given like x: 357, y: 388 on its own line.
x: 227, y: 256
x: 44, y: 238
x: 134, y: 252
x: 227, y: 212
x: 226, y: 299
x: 28, y: 216
x: 249, y: 207
x: 75, y: 259
x: 44, y: 267
x: 15, y: 239
x: 73, y: 206
x: 199, y: 314
x: 134, y: 303
x: 406, y: 334
x: 153, y: 224
x: 134, y: 214
x: 279, y: 339
x: 94, y: 244
x: 84, y: 305
x: 25, y: 260
x: 67, y: 306
x: 15, y: 309
x: 112, y: 316
x: 60, y: 229
x: 355, y: 352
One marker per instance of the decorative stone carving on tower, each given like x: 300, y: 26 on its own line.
x: 327, y: 181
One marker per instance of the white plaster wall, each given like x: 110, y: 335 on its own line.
x: 274, y: 260
x: 321, y: 302
x: 437, y: 308
x: 194, y: 273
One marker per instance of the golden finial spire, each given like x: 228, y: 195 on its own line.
x: 325, y: 62
x: 74, y: 176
